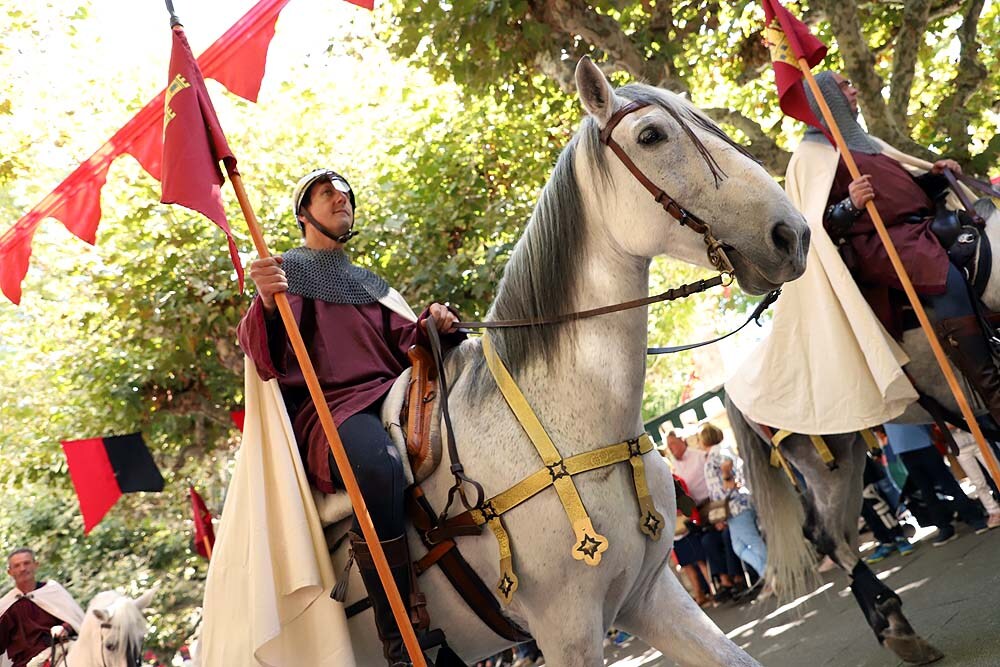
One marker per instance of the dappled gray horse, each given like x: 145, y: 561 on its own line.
x: 589, y: 243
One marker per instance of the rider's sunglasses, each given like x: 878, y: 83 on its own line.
x: 845, y: 84
x: 340, y: 184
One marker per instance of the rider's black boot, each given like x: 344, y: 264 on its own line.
x: 397, y: 553
x: 966, y: 347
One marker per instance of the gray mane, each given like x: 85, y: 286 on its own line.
x: 543, y: 267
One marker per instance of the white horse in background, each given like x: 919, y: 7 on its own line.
x: 589, y: 243
x: 111, y: 634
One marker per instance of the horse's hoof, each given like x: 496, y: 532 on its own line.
x: 912, y: 649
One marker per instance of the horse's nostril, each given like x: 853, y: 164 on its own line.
x: 784, y: 238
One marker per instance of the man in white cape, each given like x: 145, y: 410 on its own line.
x: 34, y: 613
x: 828, y: 365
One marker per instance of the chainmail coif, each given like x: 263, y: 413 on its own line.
x: 855, y: 136
x: 329, y: 275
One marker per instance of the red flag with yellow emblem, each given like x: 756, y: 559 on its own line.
x: 204, y: 534
x: 788, y: 40
x: 193, y: 144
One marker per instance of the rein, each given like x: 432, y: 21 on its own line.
x: 973, y: 184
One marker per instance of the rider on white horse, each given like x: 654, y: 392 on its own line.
x: 358, y: 331
x: 33, y: 614
x: 907, y: 203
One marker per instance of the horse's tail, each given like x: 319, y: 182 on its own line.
x: 790, y: 558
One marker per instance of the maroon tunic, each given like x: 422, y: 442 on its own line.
x: 25, y: 630
x: 907, y: 212
x: 357, y: 351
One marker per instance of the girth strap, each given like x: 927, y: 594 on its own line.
x: 871, y: 441
x: 819, y: 443
x: 463, y: 578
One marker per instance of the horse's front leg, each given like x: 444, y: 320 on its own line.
x: 665, y: 616
x: 570, y: 633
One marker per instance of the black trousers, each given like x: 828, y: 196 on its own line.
x: 718, y: 548
x: 927, y: 470
x: 378, y: 469
x: 875, y: 510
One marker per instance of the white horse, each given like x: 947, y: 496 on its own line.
x: 111, y: 634
x: 831, y: 503
x: 589, y: 243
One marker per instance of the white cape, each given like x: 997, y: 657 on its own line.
x: 267, y: 596
x: 51, y: 597
x: 828, y: 365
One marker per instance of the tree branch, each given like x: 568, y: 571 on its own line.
x: 908, y: 41
x: 661, y: 17
x: 762, y: 146
x: 953, y: 113
x: 575, y: 18
x: 551, y: 64
x: 860, y: 65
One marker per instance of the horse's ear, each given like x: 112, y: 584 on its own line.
x: 143, y: 601
x: 595, y: 90
x: 103, y: 615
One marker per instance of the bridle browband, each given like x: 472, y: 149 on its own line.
x: 716, y: 254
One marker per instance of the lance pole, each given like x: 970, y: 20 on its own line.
x: 329, y: 428
x: 911, y: 293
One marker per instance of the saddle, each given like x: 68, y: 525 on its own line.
x: 967, y: 245
x: 411, y: 415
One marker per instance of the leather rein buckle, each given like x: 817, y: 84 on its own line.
x: 716, y: 253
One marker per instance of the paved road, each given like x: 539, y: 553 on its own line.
x: 951, y: 594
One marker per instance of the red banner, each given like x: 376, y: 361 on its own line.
x: 236, y: 60
x: 193, y: 144
x: 788, y: 40
x: 102, y: 469
x: 204, y: 534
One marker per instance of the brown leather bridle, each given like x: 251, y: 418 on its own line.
x: 716, y: 253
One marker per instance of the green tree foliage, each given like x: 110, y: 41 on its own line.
x: 926, y: 69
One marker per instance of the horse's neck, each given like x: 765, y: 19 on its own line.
x: 86, y: 650
x: 600, y: 375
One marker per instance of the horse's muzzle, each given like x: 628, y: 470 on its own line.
x: 791, y: 241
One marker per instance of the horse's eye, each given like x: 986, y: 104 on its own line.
x: 650, y: 136
x: 111, y: 646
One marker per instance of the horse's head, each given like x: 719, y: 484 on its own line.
x: 679, y: 150
x: 113, y: 629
